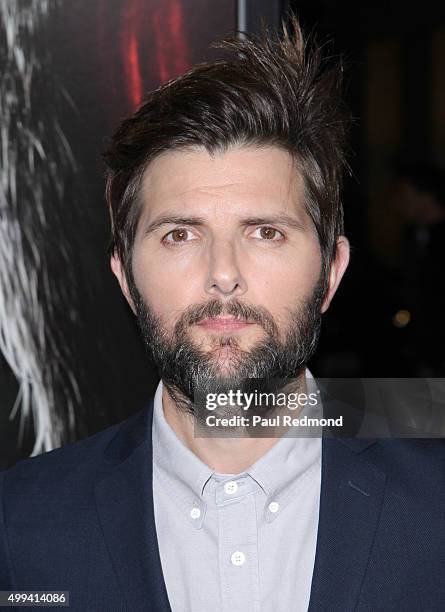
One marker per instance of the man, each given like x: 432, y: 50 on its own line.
x: 224, y: 194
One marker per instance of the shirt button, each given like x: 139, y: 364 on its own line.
x: 274, y: 506
x: 230, y: 487
x: 195, y: 513
x: 238, y: 558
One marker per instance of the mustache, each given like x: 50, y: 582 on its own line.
x: 214, y: 308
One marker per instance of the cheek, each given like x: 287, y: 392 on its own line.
x: 165, y: 287
x: 293, y: 276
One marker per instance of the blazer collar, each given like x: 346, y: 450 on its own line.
x: 352, y: 492
x: 124, y: 500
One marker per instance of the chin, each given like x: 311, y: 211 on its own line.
x: 223, y: 360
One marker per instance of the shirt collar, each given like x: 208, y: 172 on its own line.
x: 290, y: 459
x: 278, y: 472
x: 179, y: 469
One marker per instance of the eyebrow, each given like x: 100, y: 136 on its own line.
x: 279, y: 219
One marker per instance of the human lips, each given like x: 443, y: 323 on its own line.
x: 224, y: 324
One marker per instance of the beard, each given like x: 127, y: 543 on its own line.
x: 189, y: 372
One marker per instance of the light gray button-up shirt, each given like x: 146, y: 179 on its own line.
x: 236, y: 543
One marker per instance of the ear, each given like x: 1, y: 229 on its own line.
x: 118, y: 271
x: 338, y: 268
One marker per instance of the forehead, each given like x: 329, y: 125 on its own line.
x: 258, y: 178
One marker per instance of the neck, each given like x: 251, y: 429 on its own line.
x: 224, y: 455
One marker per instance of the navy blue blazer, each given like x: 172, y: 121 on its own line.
x: 80, y: 519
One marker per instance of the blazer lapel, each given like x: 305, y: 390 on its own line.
x: 351, y: 498
x: 124, y: 498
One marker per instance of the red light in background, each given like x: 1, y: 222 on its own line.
x: 151, y: 41
x: 170, y: 46
x: 132, y: 14
x: 133, y: 71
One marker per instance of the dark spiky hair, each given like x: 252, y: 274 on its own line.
x: 271, y: 90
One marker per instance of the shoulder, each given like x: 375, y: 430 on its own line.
x: 416, y: 465
x: 68, y: 469
x: 421, y: 452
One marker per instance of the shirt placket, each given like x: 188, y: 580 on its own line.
x: 238, y: 545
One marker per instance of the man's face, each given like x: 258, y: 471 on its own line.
x: 224, y: 237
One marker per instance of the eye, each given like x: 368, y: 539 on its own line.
x: 177, y: 236
x: 268, y: 233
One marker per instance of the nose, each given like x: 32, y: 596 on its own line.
x: 224, y: 275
